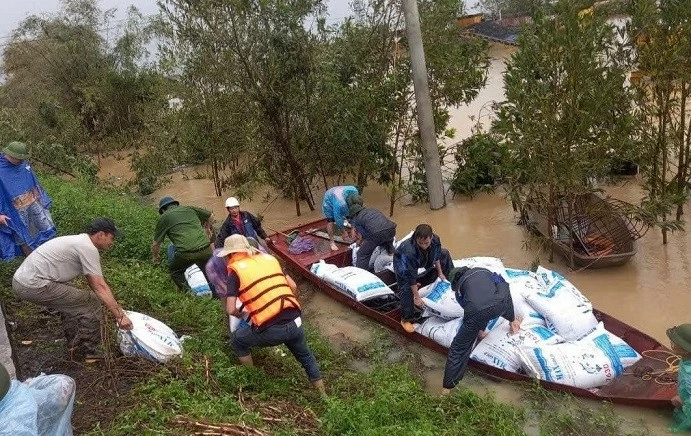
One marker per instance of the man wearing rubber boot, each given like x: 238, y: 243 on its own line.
x: 44, y: 279
x: 189, y: 231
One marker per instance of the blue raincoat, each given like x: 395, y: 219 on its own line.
x: 27, y: 205
x: 334, y: 205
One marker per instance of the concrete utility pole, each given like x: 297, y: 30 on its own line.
x: 425, y: 117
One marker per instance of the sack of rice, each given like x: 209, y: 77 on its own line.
x: 498, y: 348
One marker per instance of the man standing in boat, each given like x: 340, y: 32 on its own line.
x: 335, y: 209
x: 484, y: 295
x: 374, y: 228
x: 422, y: 250
x: 270, y: 298
x: 239, y: 222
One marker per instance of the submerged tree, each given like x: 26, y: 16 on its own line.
x: 566, y: 110
x: 660, y: 42
x: 280, y: 98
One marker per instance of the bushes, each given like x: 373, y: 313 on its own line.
x: 77, y: 203
x: 479, y: 158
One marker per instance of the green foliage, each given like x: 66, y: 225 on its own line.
x: 77, y: 203
x: 479, y: 159
x: 66, y: 84
x: 658, y: 41
x: 63, y: 160
x: 566, y: 108
x: 371, y: 399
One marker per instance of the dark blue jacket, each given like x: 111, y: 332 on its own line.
x: 479, y: 288
x: 370, y: 221
x: 409, y: 257
x: 251, y: 228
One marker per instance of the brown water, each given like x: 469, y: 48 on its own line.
x: 649, y: 293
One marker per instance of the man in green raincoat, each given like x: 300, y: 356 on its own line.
x: 680, y: 336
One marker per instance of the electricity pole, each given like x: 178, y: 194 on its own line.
x: 425, y: 117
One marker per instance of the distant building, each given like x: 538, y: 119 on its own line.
x: 504, y: 31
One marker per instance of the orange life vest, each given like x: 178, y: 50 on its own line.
x: 264, y: 290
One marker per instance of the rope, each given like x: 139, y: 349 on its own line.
x: 665, y: 376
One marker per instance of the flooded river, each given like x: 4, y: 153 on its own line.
x: 649, y: 293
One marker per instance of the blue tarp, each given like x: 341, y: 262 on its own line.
x: 27, y: 205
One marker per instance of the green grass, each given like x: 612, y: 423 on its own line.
x: 208, y: 384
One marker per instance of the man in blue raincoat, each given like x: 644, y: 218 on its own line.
x: 25, y: 220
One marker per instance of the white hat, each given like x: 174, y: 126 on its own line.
x: 232, y: 202
x: 236, y: 244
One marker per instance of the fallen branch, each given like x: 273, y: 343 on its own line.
x: 220, y: 428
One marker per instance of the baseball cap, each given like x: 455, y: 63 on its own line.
x: 103, y: 224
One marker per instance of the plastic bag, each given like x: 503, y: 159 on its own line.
x: 54, y: 395
x: 39, y: 406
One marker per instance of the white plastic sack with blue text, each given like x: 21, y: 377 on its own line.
x: 149, y: 338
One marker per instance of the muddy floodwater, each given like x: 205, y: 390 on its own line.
x: 650, y: 292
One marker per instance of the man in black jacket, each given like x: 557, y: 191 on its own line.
x: 484, y: 295
x: 374, y: 228
x: 239, y: 223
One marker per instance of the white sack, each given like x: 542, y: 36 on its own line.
x: 521, y: 283
x: 149, y: 338
x: 567, y: 310
x: 585, y: 364
x: 493, y: 264
x: 441, y: 300
x: 195, y: 278
x: 441, y: 331
x: 498, y: 348
x: 622, y: 355
x: 321, y: 268
x: 358, y: 284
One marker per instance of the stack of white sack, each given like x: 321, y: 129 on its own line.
x: 567, y: 311
x: 443, y: 313
x: 590, y: 362
x: 149, y: 338
x: 498, y: 348
x: 560, y: 339
x: 358, y: 284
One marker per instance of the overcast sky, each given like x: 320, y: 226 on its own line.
x: 12, y: 12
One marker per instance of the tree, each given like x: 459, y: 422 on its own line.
x: 69, y: 86
x: 287, y: 101
x: 258, y: 57
x: 566, y: 108
x: 660, y: 44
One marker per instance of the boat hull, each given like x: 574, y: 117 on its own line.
x: 627, y: 389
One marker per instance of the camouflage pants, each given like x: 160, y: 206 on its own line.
x: 80, y: 310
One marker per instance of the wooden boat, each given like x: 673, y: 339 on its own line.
x: 602, y: 233
x: 628, y: 389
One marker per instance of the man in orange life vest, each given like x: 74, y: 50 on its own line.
x: 270, y: 298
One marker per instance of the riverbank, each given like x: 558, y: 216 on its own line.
x: 376, y: 380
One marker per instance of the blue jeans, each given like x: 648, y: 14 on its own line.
x: 290, y: 334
